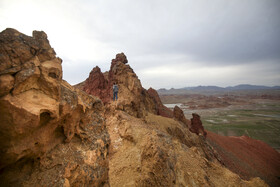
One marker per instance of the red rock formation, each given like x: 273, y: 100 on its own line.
x: 133, y: 98
x: 97, y: 85
x: 196, y: 125
x: 161, y: 109
x: 50, y: 133
x: 247, y: 157
x: 179, y: 115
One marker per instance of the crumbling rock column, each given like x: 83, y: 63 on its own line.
x: 196, y: 125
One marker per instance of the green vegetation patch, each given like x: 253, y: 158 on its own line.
x: 262, y: 123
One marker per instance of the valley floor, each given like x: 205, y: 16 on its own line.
x: 256, y: 118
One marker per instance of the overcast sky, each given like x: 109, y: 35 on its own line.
x: 168, y: 43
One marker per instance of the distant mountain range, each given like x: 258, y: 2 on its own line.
x: 217, y: 88
x: 238, y: 87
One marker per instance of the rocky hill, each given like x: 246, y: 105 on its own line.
x: 53, y: 134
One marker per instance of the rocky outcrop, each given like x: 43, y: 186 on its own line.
x: 120, y: 58
x: 97, y: 85
x: 196, y: 125
x: 50, y: 133
x: 247, y: 157
x: 17, y: 49
x: 133, y: 98
x: 179, y: 115
x: 160, y: 108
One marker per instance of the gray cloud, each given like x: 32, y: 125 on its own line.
x: 167, y: 42
x: 215, y: 31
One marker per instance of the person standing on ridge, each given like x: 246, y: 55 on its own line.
x: 115, y: 91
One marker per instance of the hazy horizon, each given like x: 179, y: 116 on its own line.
x: 168, y: 43
x: 218, y: 86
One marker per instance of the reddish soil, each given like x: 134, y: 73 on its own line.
x: 247, y: 157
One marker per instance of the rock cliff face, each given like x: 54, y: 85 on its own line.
x: 133, y: 98
x: 50, y: 133
x: 53, y: 134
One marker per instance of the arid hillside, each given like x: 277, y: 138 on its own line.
x: 54, y: 134
x: 247, y: 157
